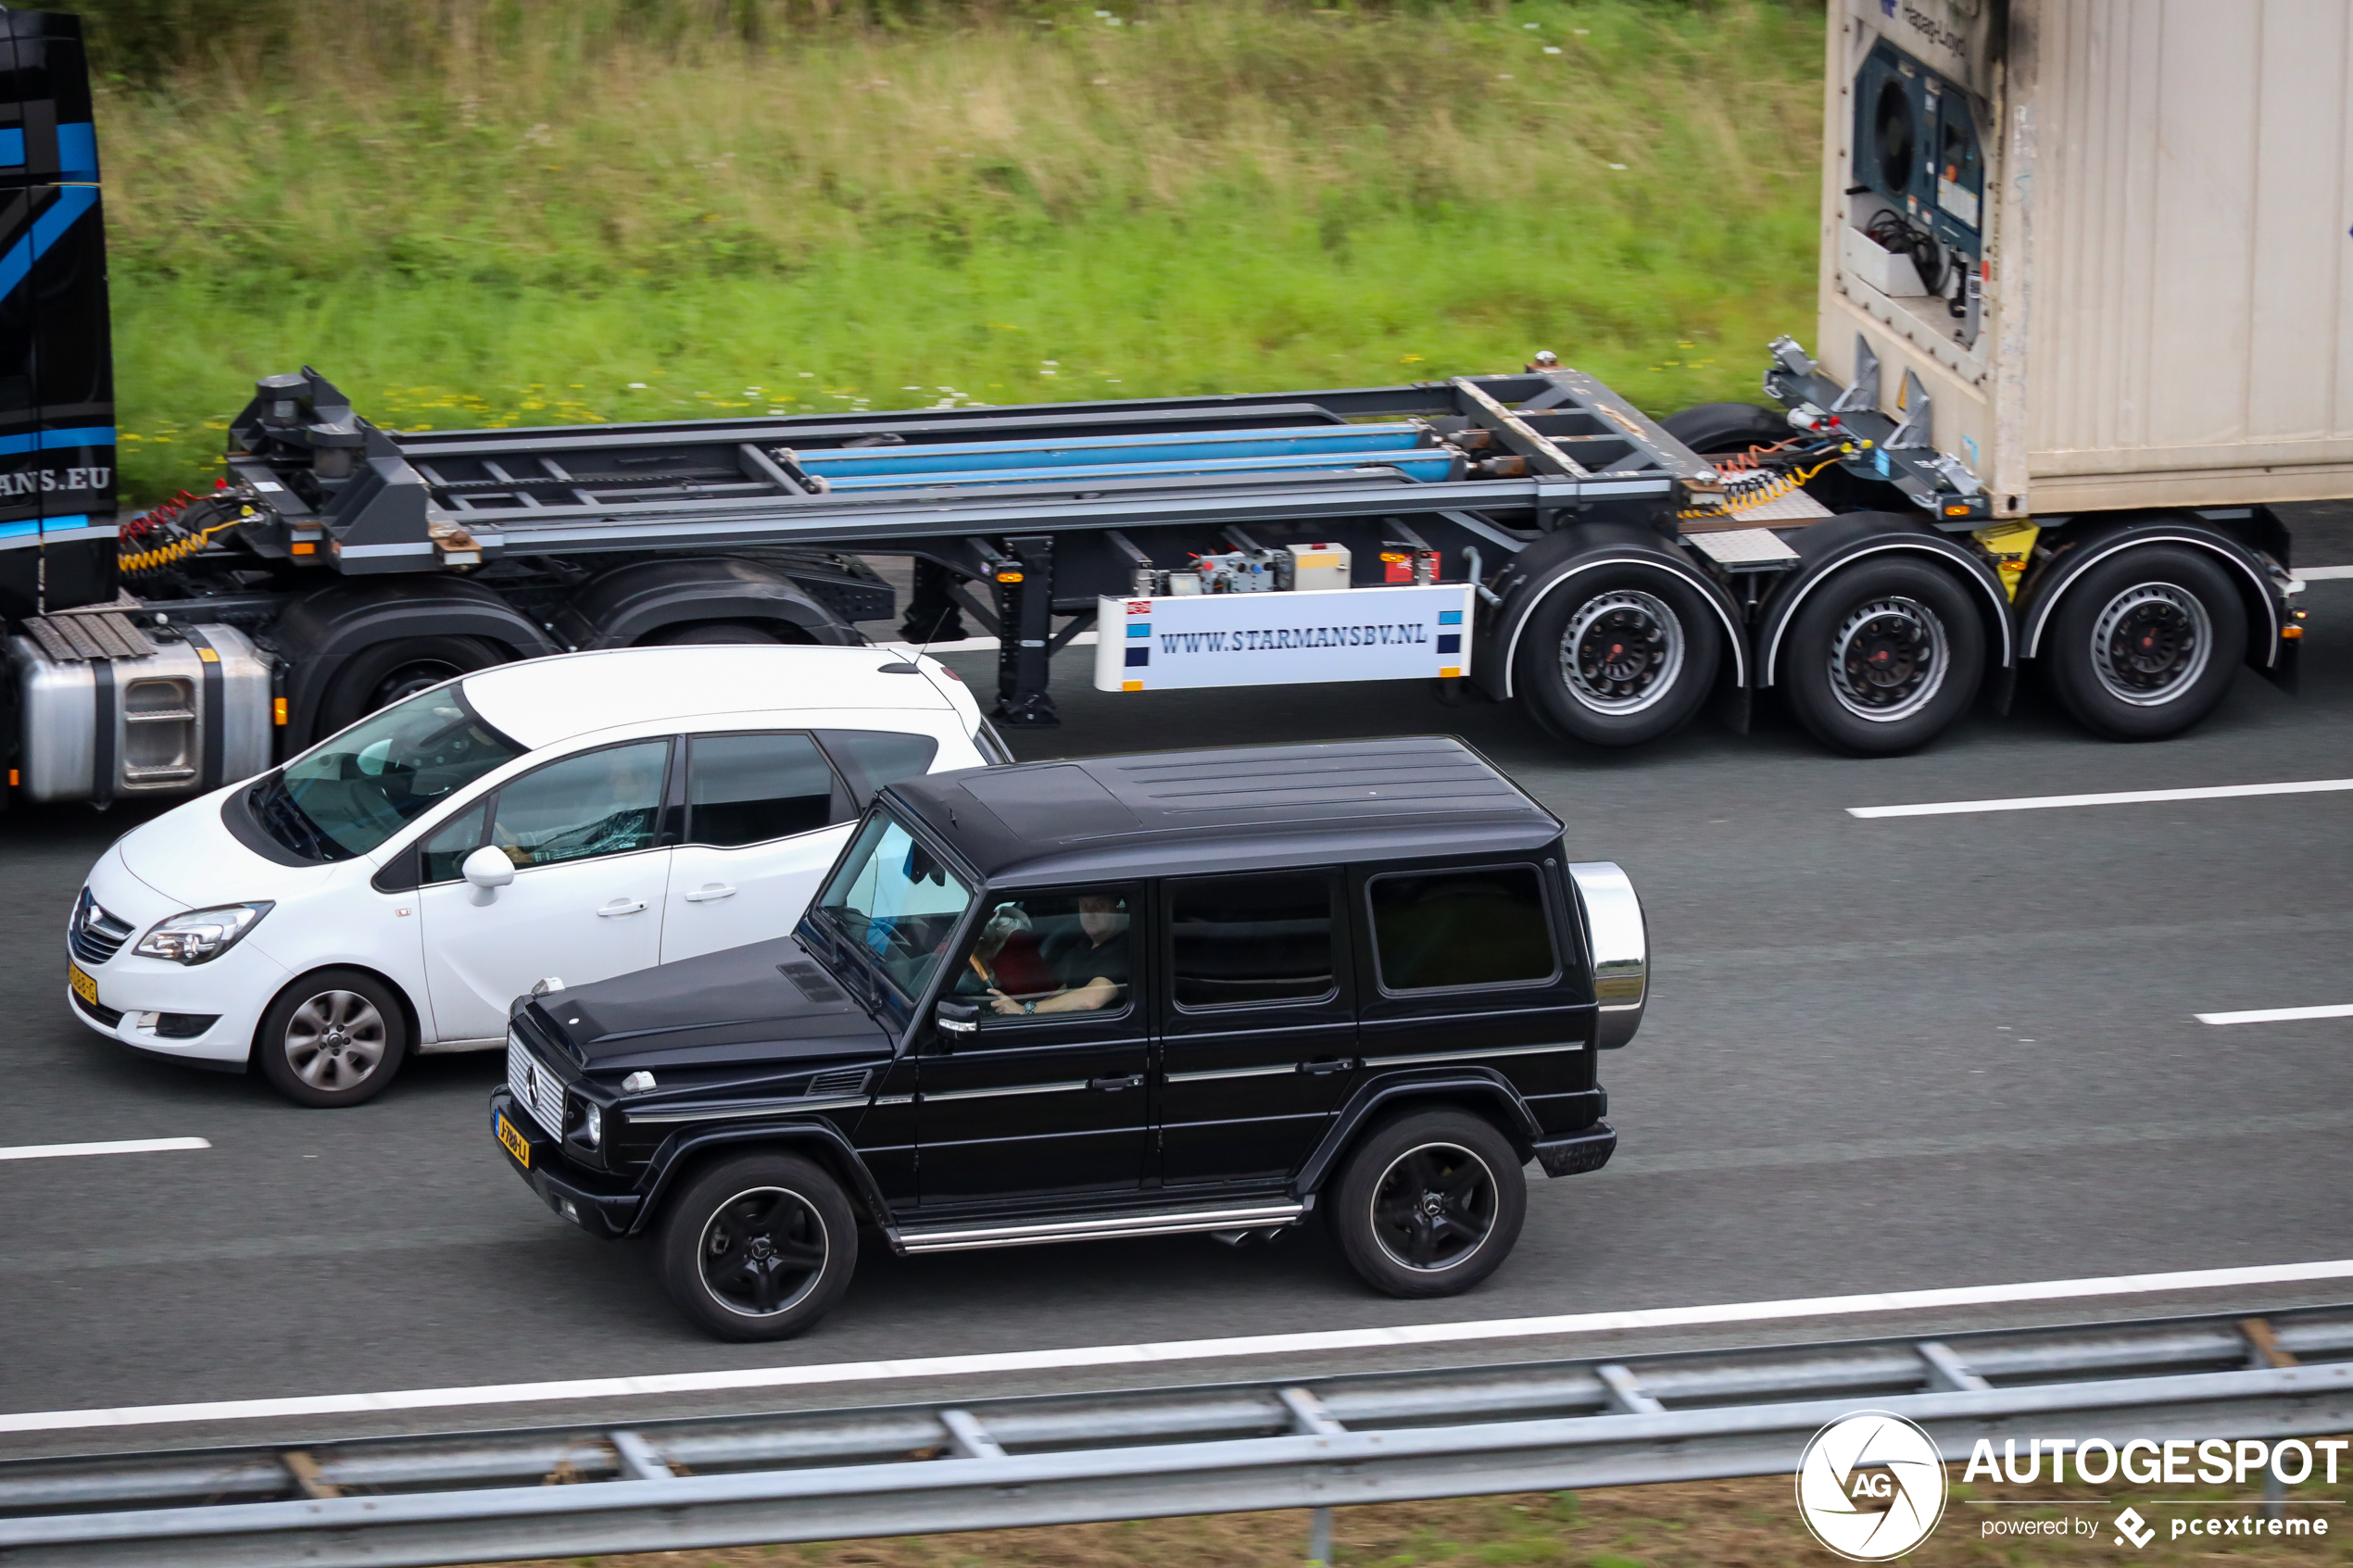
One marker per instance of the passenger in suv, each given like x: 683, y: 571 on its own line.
x: 1208, y: 991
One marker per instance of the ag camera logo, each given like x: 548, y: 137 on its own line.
x: 1870, y: 1486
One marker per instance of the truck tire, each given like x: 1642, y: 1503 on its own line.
x: 1882, y: 657
x: 1619, y: 656
x: 384, y: 673
x: 757, y: 1246
x: 1724, y: 430
x: 1430, y: 1204
x: 704, y: 634
x: 2145, y: 642
x: 333, y: 1039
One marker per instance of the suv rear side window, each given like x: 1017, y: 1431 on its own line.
x: 1480, y: 926
x: 1244, y: 939
x: 748, y: 789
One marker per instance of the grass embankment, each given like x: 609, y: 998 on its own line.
x: 523, y: 212
x: 1747, y: 1523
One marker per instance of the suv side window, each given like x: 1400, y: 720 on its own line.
x: 874, y: 759
x: 750, y: 788
x: 1478, y: 926
x: 606, y: 802
x: 1243, y: 939
x: 1040, y: 955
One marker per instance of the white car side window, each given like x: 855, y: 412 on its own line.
x: 605, y: 802
x: 750, y: 788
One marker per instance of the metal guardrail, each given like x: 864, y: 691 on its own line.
x: 1321, y: 1443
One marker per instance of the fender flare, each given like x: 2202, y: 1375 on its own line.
x: 628, y: 603
x: 2051, y: 587
x: 679, y: 1149
x: 320, y: 631
x: 1828, y: 547
x: 1573, y: 552
x: 1481, y: 1083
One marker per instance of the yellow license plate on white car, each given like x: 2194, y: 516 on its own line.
x: 85, y: 985
x: 517, y: 1145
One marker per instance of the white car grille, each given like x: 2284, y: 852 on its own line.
x: 537, y: 1089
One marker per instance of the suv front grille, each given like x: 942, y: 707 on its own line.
x: 94, y: 934
x: 537, y: 1089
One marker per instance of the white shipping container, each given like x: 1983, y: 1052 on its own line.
x: 2161, y: 219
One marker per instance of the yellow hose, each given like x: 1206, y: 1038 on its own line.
x: 164, y: 555
x: 1780, y: 488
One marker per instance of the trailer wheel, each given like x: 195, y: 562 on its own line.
x: 384, y: 673
x: 1882, y: 657
x: 2145, y: 642
x: 703, y: 633
x: 1619, y: 656
x: 1723, y: 430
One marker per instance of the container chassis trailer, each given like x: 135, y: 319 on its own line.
x: 1530, y: 538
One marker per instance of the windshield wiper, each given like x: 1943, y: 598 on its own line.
x: 273, y: 806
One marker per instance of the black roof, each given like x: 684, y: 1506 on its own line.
x: 1167, y: 813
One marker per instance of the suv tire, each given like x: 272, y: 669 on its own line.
x: 757, y: 1246
x: 1430, y: 1204
x: 333, y: 1039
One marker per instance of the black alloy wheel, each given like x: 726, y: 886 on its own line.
x: 757, y: 1246
x: 1619, y: 656
x: 333, y: 1039
x: 1430, y: 1203
x: 1883, y: 655
x: 2145, y: 642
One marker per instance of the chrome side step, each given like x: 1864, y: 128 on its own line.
x: 1102, y: 1227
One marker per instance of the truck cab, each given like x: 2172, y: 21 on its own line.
x: 1190, y: 992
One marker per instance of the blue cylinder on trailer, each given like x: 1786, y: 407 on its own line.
x: 1426, y: 465
x: 1098, y: 450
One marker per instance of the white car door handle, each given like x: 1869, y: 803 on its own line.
x: 621, y: 906
x: 709, y: 891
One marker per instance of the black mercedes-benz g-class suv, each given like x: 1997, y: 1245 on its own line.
x: 1206, y: 991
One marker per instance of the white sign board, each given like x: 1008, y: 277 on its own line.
x: 1283, y: 639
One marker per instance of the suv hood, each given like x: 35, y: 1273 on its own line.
x: 738, y: 1006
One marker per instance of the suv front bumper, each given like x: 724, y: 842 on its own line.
x: 590, y: 1199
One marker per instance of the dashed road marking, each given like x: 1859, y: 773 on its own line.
x: 119, y: 1146
x: 2278, y: 1015
x: 2118, y: 798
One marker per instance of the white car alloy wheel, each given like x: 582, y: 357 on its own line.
x: 2151, y: 643
x: 335, y: 1040
x: 1888, y: 658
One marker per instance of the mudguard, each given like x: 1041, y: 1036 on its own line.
x: 2040, y: 594
x: 1543, y: 566
x: 630, y: 604
x: 1479, y: 1084
x: 1839, y: 541
x: 820, y: 1138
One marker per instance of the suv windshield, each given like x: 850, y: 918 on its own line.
x: 894, y: 902
x: 365, y: 784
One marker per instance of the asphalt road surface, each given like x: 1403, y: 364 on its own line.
x: 1944, y: 1051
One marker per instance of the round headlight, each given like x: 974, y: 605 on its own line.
x: 592, y: 1126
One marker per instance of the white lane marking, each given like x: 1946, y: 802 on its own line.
x: 2120, y: 797
x: 121, y: 1146
x: 2320, y: 573
x: 2278, y: 1015
x: 1169, y: 1350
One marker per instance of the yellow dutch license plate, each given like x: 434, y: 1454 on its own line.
x: 517, y: 1145
x: 83, y: 985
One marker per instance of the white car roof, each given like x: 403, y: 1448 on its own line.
x: 542, y: 702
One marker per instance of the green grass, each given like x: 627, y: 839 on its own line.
x: 482, y: 214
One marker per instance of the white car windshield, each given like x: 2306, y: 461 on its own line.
x: 366, y: 784
x: 896, y: 902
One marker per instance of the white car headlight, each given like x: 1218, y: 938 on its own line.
x: 198, y: 936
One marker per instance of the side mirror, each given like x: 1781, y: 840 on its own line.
x: 956, y: 1020
x: 489, y: 868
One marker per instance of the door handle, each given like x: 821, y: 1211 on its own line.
x: 621, y: 906
x: 709, y: 891
x: 1327, y: 1064
x: 1133, y: 1081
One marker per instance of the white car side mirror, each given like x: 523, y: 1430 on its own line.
x: 489, y: 868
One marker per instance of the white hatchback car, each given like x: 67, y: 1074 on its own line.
x: 567, y: 818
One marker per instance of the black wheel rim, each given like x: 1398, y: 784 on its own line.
x: 2151, y: 643
x: 1622, y: 652
x: 762, y: 1251
x: 1889, y: 659
x: 408, y: 680
x: 1434, y: 1207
